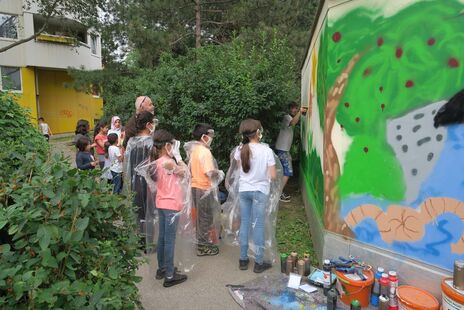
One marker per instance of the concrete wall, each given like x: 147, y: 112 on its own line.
x: 384, y: 181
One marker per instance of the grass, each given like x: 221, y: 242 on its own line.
x: 293, y: 233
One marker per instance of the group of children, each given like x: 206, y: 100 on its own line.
x: 257, y: 169
x: 107, y: 147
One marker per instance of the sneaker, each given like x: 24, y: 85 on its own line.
x: 284, y: 198
x: 243, y: 264
x: 161, y: 273
x: 177, y: 278
x: 207, y: 250
x: 261, y: 267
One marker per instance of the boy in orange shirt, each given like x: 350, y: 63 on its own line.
x: 205, y: 179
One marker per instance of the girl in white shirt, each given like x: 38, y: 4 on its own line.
x: 257, y: 169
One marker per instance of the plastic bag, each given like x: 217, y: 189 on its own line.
x: 232, y: 216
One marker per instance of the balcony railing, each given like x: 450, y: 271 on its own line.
x: 52, y: 38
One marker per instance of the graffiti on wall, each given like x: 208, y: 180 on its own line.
x: 391, y: 178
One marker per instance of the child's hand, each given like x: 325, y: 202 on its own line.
x: 94, y: 163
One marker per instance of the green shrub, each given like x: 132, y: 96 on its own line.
x: 65, y: 241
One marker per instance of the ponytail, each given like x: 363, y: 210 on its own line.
x: 245, y: 154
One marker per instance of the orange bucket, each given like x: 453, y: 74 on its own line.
x: 453, y: 299
x: 355, y: 289
x: 413, y: 298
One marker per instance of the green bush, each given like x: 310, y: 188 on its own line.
x: 216, y: 84
x: 65, y: 241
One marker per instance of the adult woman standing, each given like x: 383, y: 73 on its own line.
x: 257, y: 169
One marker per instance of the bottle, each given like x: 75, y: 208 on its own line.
x: 384, y: 285
x: 458, y: 274
x: 294, y: 260
x: 355, y: 305
x: 307, y: 266
x: 289, y: 267
x: 327, y: 271
x: 283, y: 262
x: 383, y: 302
x: 393, y: 278
x: 376, y: 287
x: 301, y: 267
x: 332, y: 299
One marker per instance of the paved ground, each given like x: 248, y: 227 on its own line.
x: 205, y: 288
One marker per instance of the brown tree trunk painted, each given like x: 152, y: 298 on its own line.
x: 197, y: 23
x: 332, y: 218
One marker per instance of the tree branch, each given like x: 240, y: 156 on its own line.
x: 218, y: 23
x: 180, y: 39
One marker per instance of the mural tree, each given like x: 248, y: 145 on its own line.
x: 410, y: 59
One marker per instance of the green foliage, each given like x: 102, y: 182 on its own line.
x: 65, y: 241
x: 220, y: 85
x: 422, y: 44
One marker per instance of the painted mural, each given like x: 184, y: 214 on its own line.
x: 393, y: 152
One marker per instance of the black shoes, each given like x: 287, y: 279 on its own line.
x: 161, y: 273
x: 177, y: 278
x: 243, y: 264
x: 261, y: 267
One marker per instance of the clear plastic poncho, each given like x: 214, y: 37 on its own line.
x: 182, y: 224
x: 231, y: 212
x: 137, y: 151
x: 206, y: 205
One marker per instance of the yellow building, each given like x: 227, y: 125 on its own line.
x: 36, y: 71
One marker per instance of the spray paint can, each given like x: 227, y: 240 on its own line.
x: 458, y: 274
x: 294, y: 260
x: 384, y: 286
x: 307, y: 264
x: 301, y: 266
x: 376, y: 287
x: 383, y: 302
x: 355, y: 305
x: 332, y: 299
x: 393, y: 278
x: 327, y: 271
x: 289, y: 267
x: 283, y: 262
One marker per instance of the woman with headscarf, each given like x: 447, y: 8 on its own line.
x: 116, y: 127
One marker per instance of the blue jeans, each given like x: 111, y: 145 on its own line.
x: 117, y: 182
x: 252, y: 211
x: 167, y: 240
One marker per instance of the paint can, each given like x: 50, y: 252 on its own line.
x: 294, y: 256
x: 307, y: 264
x: 327, y: 272
x: 301, y: 266
x: 332, y: 299
x: 458, y: 274
x: 289, y: 267
x: 413, y: 298
x: 453, y: 299
x: 283, y: 262
x: 355, y: 305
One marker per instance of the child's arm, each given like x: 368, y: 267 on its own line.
x: 50, y: 131
x: 120, y: 155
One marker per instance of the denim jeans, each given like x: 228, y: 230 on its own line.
x: 167, y: 240
x: 117, y: 182
x: 252, y: 211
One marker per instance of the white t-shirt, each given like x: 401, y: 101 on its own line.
x: 113, y: 153
x: 285, y: 138
x: 44, y: 128
x: 257, y: 179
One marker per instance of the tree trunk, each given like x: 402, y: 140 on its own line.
x: 197, y: 24
x: 332, y: 218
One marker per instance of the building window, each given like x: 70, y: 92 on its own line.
x: 11, y: 78
x: 8, y: 27
x: 93, y: 44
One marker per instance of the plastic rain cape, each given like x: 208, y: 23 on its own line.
x: 231, y: 212
x: 138, y: 150
x: 185, y: 255
x: 206, y: 205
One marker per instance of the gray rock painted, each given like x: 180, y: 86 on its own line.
x: 419, y: 147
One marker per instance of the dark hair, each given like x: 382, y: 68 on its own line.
x: 293, y: 104
x: 82, y: 127
x: 41, y: 119
x: 82, y: 143
x: 160, y: 138
x: 200, y: 130
x: 100, y: 125
x: 248, y: 129
x: 142, y: 119
x: 112, y: 140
